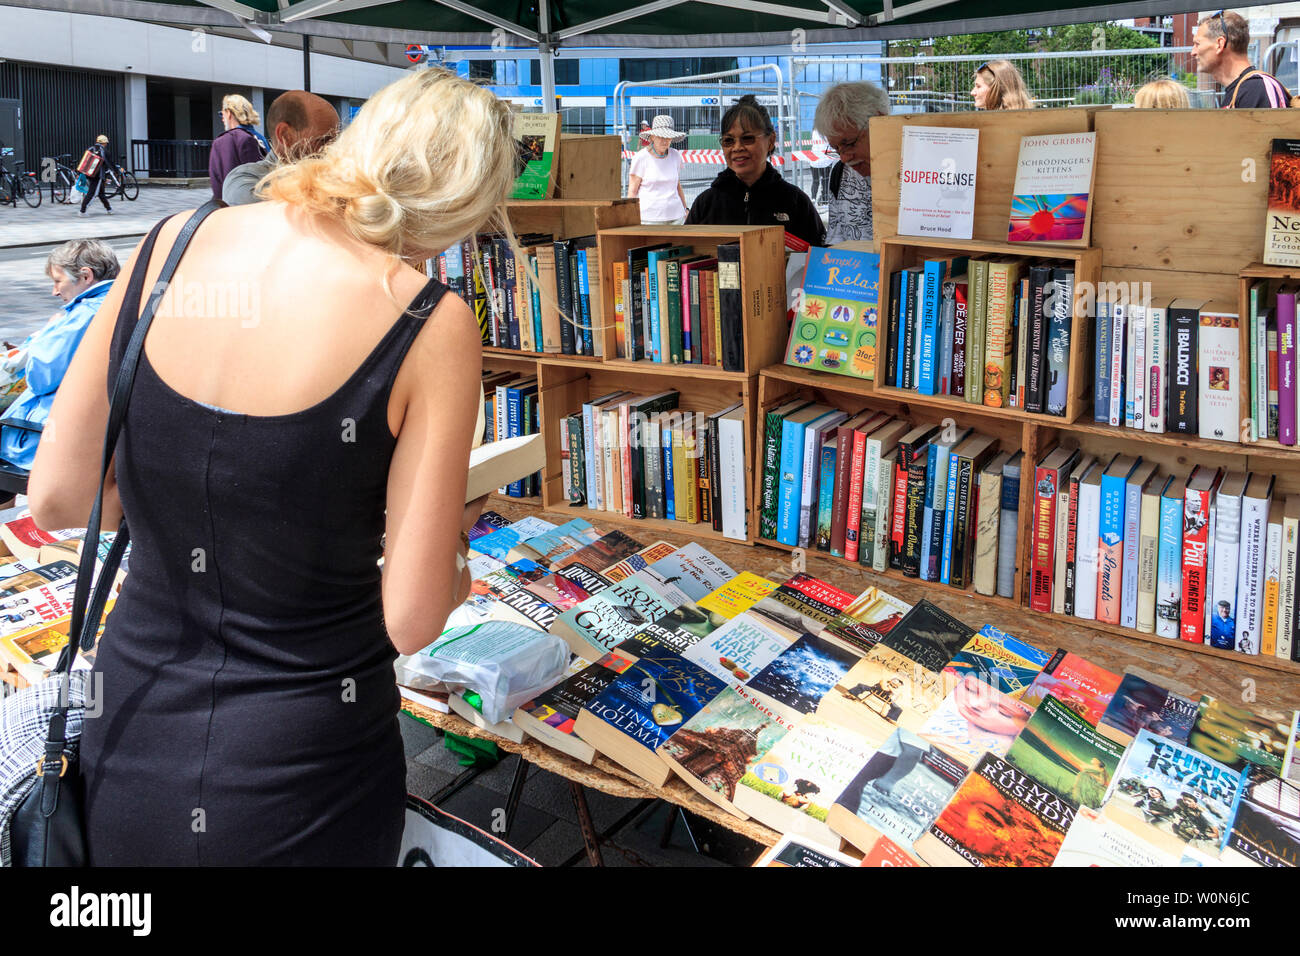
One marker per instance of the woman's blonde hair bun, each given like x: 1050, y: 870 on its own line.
x: 429, y: 160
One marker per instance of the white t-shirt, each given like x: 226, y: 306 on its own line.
x: 659, y: 178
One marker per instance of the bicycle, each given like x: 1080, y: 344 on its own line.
x: 20, y: 182
x: 121, y: 182
x: 61, y: 178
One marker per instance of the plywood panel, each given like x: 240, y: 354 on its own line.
x: 999, y: 151
x: 1184, y: 189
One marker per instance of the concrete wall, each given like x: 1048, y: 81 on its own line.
x: 145, y: 49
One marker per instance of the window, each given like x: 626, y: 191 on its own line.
x: 483, y: 70
x: 583, y: 119
x: 642, y: 70
x: 566, y: 72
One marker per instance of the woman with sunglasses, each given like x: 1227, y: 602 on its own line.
x: 750, y: 192
x: 844, y: 111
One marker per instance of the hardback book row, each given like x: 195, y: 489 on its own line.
x: 1174, y: 367
x: 826, y: 716
x: 934, y: 502
x: 641, y: 456
x: 993, y: 331
x: 1272, y: 336
x: 674, y: 305
x: 1207, y: 557
x: 511, y: 408
x: 543, y: 297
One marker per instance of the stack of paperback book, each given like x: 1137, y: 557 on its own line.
x: 641, y: 456
x: 1170, y: 367
x: 898, y: 731
x: 675, y: 305
x: 935, y: 502
x: 1207, y: 557
x: 511, y: 409
x: 993, y: 332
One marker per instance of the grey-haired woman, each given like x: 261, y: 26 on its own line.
x: 843, y: 114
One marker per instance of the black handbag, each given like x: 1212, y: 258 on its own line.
x: 47, y: 828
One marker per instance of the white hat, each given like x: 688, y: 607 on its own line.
x: 663, y: 126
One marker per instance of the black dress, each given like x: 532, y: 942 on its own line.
x: 249, y: 702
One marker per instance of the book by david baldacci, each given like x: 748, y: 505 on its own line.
x: 1050, y: 200
x: 998, y: 817
x: 976, y: 719
x: 738, y: 650
x: 898, y: 792
x: 1062, y: 752
x: 1282, y: 221
x: 1139, y: 704
x: 937, y: 182
x: 738, y: 595
x: 928, y: 635
x: 836, y: 325
x: 538, y: 136
x: 801, y: 675
x: 1079, y: 684
x: 1172, y: 795
x: 999, y: 660
x: 792, y: 787
x: 1236, y: 737
x: 723, y: 741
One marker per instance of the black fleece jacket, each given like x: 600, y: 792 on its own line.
x: 771, y: 201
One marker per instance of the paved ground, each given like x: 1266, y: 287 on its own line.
x: 27, y: 236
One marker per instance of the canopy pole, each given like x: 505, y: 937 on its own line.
x: 547, y: 58
x: 306, y: 62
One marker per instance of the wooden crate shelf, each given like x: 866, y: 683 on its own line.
x: 901, y: 252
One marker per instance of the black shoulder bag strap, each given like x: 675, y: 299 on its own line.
x: 85, y: 619
x: 837, y: 177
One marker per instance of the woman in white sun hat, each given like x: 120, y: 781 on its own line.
x: 655, y: 176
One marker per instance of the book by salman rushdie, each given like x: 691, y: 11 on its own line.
x: 998, y: 817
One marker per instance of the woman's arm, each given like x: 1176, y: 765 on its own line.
x: 438, y: 388
x: 633, y: 186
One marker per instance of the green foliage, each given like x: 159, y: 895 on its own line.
x: 754, y: 782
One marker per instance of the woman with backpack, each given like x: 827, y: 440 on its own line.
x: 92, y: 167
x: 240, y: 143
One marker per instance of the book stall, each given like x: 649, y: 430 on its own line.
x: 976, y: 547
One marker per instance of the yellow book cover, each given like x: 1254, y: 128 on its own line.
x: 680, y: 480
x: 738, y: 595
x: 34, y: 651
x: 692, y: 462
x: 620, y: 311
x: 1003, y: 277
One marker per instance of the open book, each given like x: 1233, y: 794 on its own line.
x: 500, y: 462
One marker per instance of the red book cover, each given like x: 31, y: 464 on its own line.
x: 706, y: 313
x: 1196, y: 536
x: 818, y: 590
x: 625, y: 454
x: 1071, y: 542
x: 1042, y: 536
x: 898, y: 517
x: 887, y: 853
x: 957, y: 384
x: 840, y: 501
x: 853, y: 523
x: 1079, y: 684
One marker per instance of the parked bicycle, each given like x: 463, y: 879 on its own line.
x: 60, y: 177
x: 121, y: 182
x: 18, y: 183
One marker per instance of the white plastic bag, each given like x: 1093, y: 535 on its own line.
x: 506, y: 664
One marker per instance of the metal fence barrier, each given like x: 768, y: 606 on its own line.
x: 170, y: 158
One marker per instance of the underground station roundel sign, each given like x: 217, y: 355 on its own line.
x: 414, y: 52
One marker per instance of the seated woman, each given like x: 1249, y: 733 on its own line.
x: 750, y: 192
x: 844, y: 112
x: 83, y: 271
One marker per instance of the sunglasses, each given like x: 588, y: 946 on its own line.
x: 728, y: 142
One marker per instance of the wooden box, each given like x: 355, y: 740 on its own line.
x: 901, y: 252
x: 762, y: 278
x: 588, y: 166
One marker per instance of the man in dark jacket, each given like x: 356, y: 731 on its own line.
x: 98, y: 182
